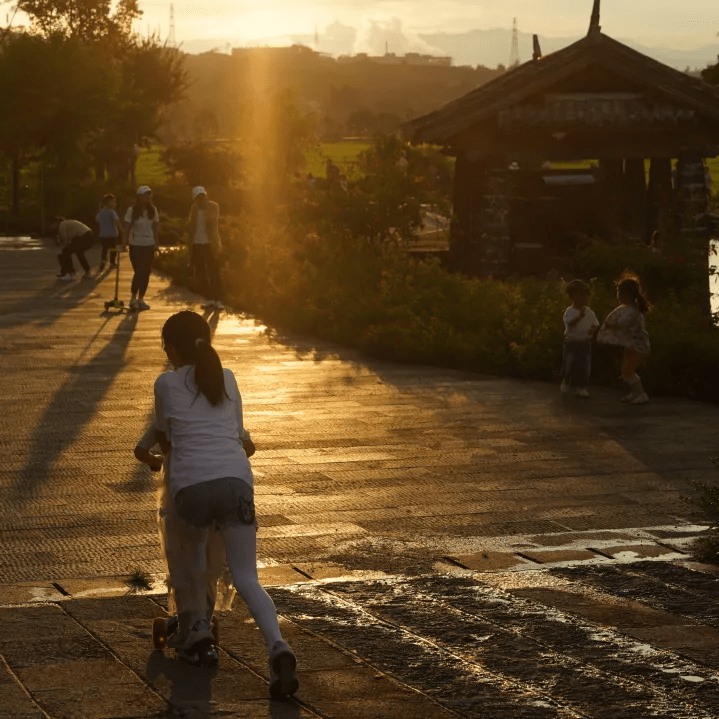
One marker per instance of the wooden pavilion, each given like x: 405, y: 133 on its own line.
x: 644, y: 128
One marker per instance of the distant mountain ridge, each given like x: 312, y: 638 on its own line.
x: 491, y: 47
x: 476, y: 47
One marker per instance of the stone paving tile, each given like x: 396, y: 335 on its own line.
x: 15, y: 703
x: 66, y: 671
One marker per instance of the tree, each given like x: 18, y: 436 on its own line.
x: 204, y: 164
x: 51, y: 118
x: 711, y: 74
x: 83, y: 88
x: 88, y: 20
x: 275, y: 137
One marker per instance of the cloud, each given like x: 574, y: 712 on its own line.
x: 376, y: 34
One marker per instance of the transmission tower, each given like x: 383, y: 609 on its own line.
x: 171, y: 34
x: 514, y: 53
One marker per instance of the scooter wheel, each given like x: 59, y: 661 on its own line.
x: 208, y: 657
x: 159, y: 633
x: 107, y: 305
x: 120, y: 303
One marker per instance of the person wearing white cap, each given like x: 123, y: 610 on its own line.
x: 140, y: 223
x: 204, y: 231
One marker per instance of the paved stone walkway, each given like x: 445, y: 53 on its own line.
x: 438, y: 543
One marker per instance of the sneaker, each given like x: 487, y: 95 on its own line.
x: 640, y: 399
x: 283, y: 681
x: 88, y: 276
x: 199, y: 645
x: 629, y: 397
x: 67, y: 278
x: 134, y: 304
x: 564, y: 387
x: 219, y: 305
x: 207, y: 305
x: 142, y: 305
x: 582, y: 392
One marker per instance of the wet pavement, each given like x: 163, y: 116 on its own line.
x: 437, y: 543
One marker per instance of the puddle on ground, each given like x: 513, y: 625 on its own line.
x: 475, y: 648
x: 21, y: 243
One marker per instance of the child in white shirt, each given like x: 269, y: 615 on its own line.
x: 198, y: 417
x: 580, y: 325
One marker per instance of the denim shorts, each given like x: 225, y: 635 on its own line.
x: 225, y: 502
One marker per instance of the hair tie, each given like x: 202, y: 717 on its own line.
x: 198, y: 340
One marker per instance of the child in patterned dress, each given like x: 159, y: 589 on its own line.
x: 624, y: 327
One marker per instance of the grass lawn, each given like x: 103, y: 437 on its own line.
x: 344, y: 154
x: 712, y: 164
x: 151, y: 170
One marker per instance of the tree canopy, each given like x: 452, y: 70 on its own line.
x: 82, y: 89
x: 85, y: 19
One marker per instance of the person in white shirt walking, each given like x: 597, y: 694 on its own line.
x: 580, y: 326
x: 198, y: 418
x: 204, y: 232
x: 140, y: 224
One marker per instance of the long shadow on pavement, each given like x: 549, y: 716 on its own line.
x: 191, y: 690
x: 668, y: 436
x: 72, y: 407
x: 55, y: 296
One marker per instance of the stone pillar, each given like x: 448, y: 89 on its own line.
x: 496, y: 208
x: 692, y: 239
x: 635, y: 198
x: 691, y: 190
x: 465, y: 234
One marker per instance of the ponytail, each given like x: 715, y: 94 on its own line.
x: 209, y: 376
x: 629, y: 286
x: 189, y: 334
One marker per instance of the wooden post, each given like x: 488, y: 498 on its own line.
x: 612, y: 172
x: 635, y: 197
x: 461, y: 227
x: 16, y: 183
x: 661, y: 199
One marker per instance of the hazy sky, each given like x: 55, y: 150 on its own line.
x: 668, y: 22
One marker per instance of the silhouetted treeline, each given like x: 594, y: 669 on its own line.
x: 357, y: 97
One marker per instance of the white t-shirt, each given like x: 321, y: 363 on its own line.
x: 201, y: 237
x: 70, y: 229
x: 141, y: 232
x: 206, y: 441
x: 580, y: 331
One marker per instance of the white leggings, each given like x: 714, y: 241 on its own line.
x: 240, y: 542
